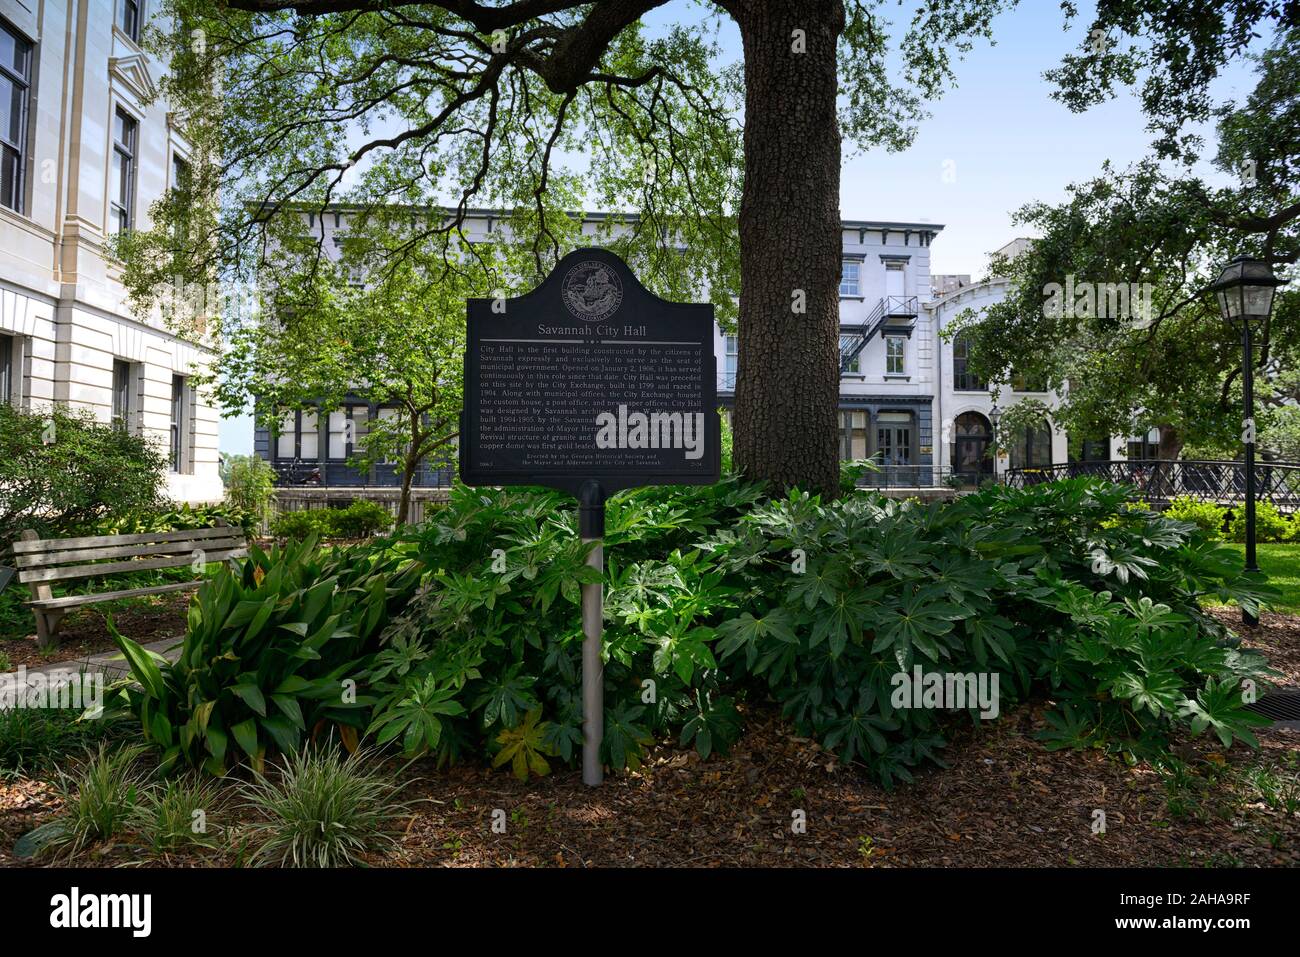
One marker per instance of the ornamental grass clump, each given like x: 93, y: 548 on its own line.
x: 321, y: 808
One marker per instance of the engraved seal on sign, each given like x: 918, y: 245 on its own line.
x: 592, y: 291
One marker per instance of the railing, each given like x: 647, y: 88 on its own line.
x: 1159, y: 481
x: 917, y: 477
x: 854, y: 339
x: 298, y: 499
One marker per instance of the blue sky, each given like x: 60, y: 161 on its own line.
x: 1002, y: 138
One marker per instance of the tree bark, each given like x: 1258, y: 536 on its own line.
x: 787, y: 384
x: 1171, y: 443
x: 404, y: 503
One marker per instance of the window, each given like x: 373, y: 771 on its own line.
x: 849, y: 342
x: 122, y: 402
x: 1020, y: 383
x: 895, y: 355
x: 179, y: 424
x: 1095, y: 450
x: 1032, y: 447
x: 122, y: 184
x: 128, y: 18
x: 963, y: 380
x: 15, y: 91
x: 731, y: 361
x: 308, y: 440
x: 286, y: 437
x: 6, y: 368
x: 849, y: 279
x: 346, y: 428
x: 853, y: 434
x: 183, y: 187
x: 1143, y: 450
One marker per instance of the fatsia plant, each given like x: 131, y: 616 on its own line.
x: 463, y: 637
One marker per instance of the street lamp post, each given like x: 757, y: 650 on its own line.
x: 995, y: 416
x: 1245, y: 291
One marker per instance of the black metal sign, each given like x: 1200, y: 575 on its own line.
x: 589, y: 378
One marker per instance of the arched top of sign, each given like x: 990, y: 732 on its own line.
x: 593, y: 284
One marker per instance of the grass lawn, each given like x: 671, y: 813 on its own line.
x: 1281, y: 563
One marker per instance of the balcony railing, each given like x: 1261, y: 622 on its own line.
x: 892, y: 314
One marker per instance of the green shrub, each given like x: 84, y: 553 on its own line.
x: 269, y: 654
x: 1207, y: 516
x: 361, y: 519
x: 62, y: 471
x: 713, y: 597
x: 303, y: 524
x: 1270, y: 524
x: 250, y: 484
x: 172, y: 517
x: 323, y: 810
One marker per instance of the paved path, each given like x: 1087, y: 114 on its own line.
x: 54, y: 676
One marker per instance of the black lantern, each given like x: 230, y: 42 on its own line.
x: 1245, y: 292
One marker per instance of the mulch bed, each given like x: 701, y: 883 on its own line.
x: 86, y: 632
x: 1005, y: 801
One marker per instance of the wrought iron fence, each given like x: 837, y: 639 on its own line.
x: 918, y: 476
x: 1159, y: 481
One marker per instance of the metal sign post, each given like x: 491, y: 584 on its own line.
x: 591, y: 527
x: 590, y: 384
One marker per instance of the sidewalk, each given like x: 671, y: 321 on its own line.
x: 110, y: 664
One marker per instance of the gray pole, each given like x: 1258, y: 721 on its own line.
x: 593, y: 671
x: 591, y: 527
x: 1248, y: 398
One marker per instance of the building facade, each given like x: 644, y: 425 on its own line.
x: 907, y: 399
x: 83, y: 155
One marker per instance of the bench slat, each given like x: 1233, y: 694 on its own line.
x: 122, y: 551
x: 27, y: 547
x: 113, y: 568
x: 72, y: 601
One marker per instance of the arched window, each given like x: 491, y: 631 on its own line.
x: 1031, y: 447
x: 963, y: 380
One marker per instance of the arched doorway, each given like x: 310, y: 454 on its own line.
x: 972, y: 458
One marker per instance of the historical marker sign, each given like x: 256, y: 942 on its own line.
x: 589, y: 377
x: 590, y: 384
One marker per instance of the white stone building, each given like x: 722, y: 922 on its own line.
x: 82, y: 157
x: 887, y: 348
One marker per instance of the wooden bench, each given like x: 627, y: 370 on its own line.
x: 41, y: 561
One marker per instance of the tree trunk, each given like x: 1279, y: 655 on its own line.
x: 404, y: 503
x: 787, y: 384
x: 1171, y: 443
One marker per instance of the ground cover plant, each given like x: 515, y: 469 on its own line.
x: 360, y: 519
x: 461, y: 638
